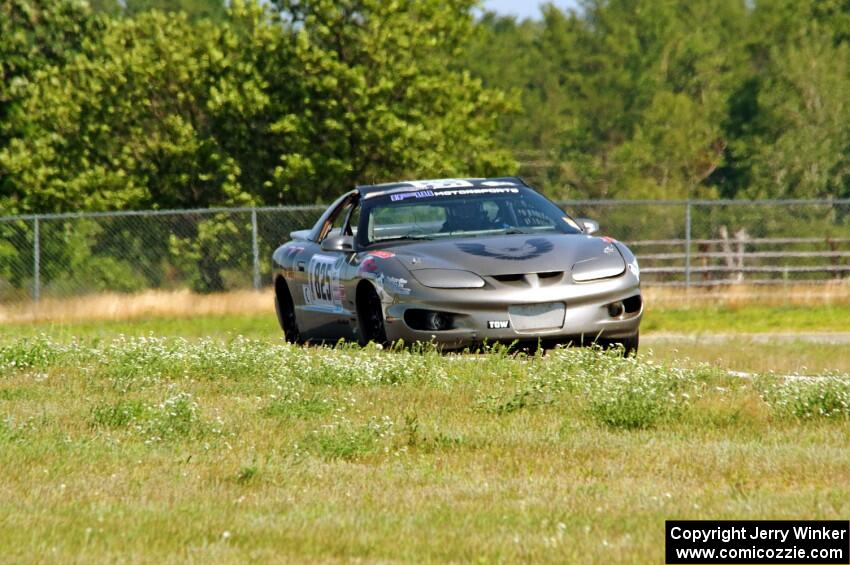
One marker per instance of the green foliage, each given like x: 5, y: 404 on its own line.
x: 196, y: 9
x: 297, y: 407
x: 175, y: 417
x: 246, y: 474
x: 253, y: 105
x: 34, y: 35
x: 378, y: 101
x: 118, y: 415
x: 626, y: 99
x: 615, y: 391
x: 73, y: 245
x: 345, y: 440
x: 637, y: 399
x: 215, y: 241
x: 809, y: 398
x: 676, y: 99
x: 130, y: 121
x: 33, y: 353
x: 801, y: 149
x: 195, y: 103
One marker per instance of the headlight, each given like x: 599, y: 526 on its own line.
x: 447, y: 278
x: 595, y: 268
x: 634, y: 268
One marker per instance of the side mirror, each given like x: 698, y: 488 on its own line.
x: 343, y: 243
x: 589, y: 226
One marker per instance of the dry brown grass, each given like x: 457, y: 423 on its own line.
x: 152, y: 303
x: 832, y: 293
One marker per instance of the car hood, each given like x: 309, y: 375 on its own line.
x: 515, y: 254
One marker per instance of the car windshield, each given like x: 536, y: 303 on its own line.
x: 447, y: 213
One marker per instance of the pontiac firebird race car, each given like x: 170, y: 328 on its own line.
x: 458, y: 262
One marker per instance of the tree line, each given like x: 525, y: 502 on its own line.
x: 120, y: 104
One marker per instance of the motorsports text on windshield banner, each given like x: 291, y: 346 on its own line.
x: 757, y: 541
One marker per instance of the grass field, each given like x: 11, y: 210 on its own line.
x: 793, y: 357
x: 162, y: 436
x: 167, y: 449
x: 748, y: 319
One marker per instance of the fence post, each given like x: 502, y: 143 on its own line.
x: 36, y: 261
x: 688, y: 244
x: 255, y: 248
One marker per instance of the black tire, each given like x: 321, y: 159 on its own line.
x: 629, y: 344
x: 370, y: 316
x: 285, y: 309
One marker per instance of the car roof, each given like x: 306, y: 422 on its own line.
x: 369, y: 190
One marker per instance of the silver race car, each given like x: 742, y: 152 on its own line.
x: 457, y: 262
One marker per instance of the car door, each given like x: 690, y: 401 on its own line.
x: 325, y: 311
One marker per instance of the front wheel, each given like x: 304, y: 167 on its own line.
x: 370, y: 316
x: 285, y: 309
x: 629, y: 344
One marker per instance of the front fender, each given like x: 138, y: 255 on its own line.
x: 388, y: 275
x: 631, y: 259
x: 284, y: 256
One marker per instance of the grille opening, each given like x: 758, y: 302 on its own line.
x: 428, y: 320
x: 632, y: 304
x: 509, y: 278
x: 550, y: 274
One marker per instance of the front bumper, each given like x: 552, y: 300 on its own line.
x: 586, y: 316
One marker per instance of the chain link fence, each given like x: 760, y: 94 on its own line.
x: 678, y: 243
x: 727, y: 242
x: 206, y: 250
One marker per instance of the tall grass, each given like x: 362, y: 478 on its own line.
x: 150, y: 303
x: 810, y: 398
x: 619, y: 392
